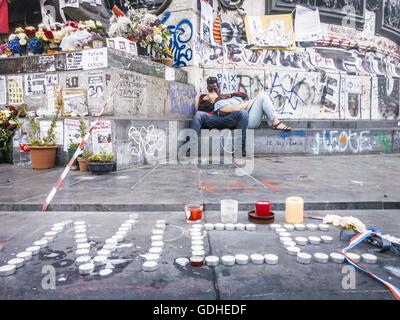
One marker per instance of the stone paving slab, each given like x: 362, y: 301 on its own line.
x: 287, y: 280
x: 325, y: 183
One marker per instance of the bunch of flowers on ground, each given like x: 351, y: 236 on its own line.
x: 347, y: 223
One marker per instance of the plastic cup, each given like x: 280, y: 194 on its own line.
x: 229, y: 211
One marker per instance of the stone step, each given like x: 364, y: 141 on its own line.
x: 208, y: 206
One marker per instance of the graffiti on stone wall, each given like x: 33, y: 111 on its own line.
x: 145, y: 142
x: 295, y: 94
x: 355, y: 97
x: 180, y: 42
x: 181, y: 99
x: 335, y: 141
x: 351, y: 61
x: 388, y: 97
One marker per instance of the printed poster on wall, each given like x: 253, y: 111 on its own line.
x: 74, y: 60
x: 35, y: 84
x: 101, y: 137
x: 71, y: 132
x: 95, y: 85
x: 69, y: 3
x: 272, y: 31
x: 3, y: 90
x: 206, y: 22
x: 44, y: 127
x: 15, y: 90
x: 95, y: 59
x: 307, y: 25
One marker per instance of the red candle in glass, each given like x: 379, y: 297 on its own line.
x: 263, y: 209
x: 193, y: 213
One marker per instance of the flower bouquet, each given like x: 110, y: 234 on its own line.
x: 8, y: 124
x: 350, y: 225
x: 144, y: 28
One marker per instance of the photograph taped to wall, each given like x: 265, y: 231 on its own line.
x: 75, y: 102
x: 273, y: 31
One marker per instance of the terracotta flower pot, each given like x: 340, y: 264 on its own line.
x: 83, y: 164
x: 43, y: 157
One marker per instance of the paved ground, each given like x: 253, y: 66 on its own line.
x: 287, y: 280
x: 325, y: 182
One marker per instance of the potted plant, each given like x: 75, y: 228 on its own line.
x: 42, y: 148
x: 71, y: 151
x: 101, y: 163
x: 83, y: 158
x: 8, y: 124
x: 83, y: 161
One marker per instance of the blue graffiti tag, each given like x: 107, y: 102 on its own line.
x: 287, y: 95
x: 181, y: 35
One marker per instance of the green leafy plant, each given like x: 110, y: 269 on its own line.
x: 73, y: 146
x: 34, y: 137
x: 85, y: 154
x: 102, y: 157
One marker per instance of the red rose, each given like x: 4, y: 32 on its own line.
x: 49, y: 35
x: 6, y: 123
x: 72, y: 24
x: 30, y: 32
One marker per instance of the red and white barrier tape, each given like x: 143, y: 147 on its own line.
x: 78, y: 151
x: 355, y: 241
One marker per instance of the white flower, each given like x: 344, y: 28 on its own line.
x: 149, y: 18
x: 158, y: 38
x: 11, y: 37
x: 99, y: 24
x: 22, y: 42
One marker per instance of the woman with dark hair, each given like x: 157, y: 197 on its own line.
x: 257, y: 108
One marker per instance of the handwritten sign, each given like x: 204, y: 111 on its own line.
x: 95, y: 59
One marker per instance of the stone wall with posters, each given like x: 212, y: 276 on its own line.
x: 349, y: 74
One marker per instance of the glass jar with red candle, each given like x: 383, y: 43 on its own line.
x: 263, y: 209
x: 193, y: 213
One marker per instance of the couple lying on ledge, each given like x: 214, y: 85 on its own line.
x: 233, y: 111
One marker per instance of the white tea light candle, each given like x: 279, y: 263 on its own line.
x: 228, y: 260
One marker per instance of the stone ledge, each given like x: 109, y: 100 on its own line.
x: 57, y: 63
